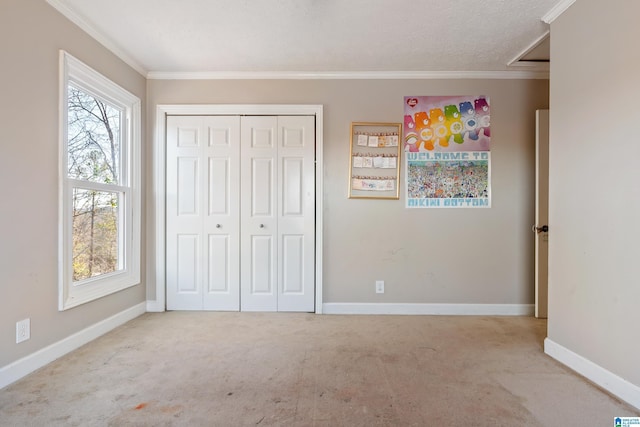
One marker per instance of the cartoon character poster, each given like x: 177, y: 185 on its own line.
x: 447, y: 143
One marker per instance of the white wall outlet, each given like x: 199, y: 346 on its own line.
x: 23, y: 330
x: 379, y: 286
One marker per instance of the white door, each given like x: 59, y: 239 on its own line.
x: 202, y: 214
x: 296, y: 213
x: 278, y: 217
x: 259, y: 272
x: 542, y: 213
x: 240, y: 213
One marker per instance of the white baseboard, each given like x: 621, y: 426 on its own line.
x: 155, y: 306
x: 614, y: 384
x: 434, y: 309
x: 22, y: 367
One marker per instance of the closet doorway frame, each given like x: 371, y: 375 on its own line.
x: 158, y: 248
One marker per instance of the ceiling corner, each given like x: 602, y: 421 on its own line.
x: 96, y: 34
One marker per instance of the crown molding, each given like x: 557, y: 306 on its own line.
x: 90, y: 29
x: 536, y: 71
x: 347, y: 75
x: 557, y: 10
x: 542, y: 67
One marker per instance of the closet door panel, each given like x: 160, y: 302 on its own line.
x: 259, y: 236
x: 296, y: 213
x: 184, y: 253
x: 221, y: 220
x: 203, y: 224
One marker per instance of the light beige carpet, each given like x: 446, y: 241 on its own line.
x: 248, y: 369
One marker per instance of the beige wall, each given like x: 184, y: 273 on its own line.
x: 31, y: 34
x: 594, y: 223
x: 425, y: 256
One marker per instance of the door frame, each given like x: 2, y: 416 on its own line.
x: 157, y: 249
x: 541, y: 239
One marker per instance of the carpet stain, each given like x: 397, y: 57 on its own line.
x: 172, y: 410
x: 389, y: 358
x: 141, y: 406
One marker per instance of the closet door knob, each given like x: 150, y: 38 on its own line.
x: 261, y: 225
x: 218, y: 226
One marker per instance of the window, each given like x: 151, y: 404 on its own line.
x: 99, y: 184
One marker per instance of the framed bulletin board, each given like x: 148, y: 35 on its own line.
x: 374, y: 161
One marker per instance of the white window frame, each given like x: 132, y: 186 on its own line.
x: 73, y: 294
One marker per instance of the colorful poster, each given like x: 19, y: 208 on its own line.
x: 447, y: 142
x: 448, y: 180
x: 447, y: 123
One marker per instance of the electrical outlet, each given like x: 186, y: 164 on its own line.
x: 379, y: 286
x: 23, y: 330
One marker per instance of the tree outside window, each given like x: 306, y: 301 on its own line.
x: 93, y: 155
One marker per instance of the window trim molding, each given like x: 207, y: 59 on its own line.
x: 70, y: 295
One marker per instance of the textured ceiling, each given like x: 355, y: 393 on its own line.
x: 315, y: 35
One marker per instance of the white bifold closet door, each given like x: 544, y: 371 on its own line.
x: 277, y: 211
x: 241, y: 213
x: 203, y: 213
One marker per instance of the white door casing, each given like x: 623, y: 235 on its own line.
x: 156, y: 246
x: 542, y: 214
